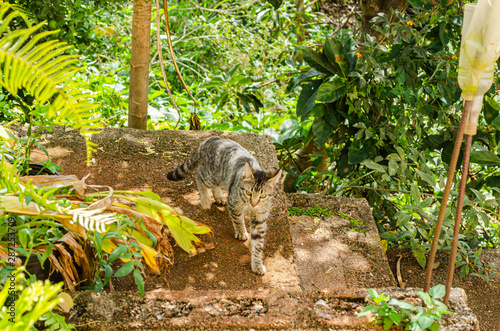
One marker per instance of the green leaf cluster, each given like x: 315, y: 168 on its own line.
x: 389, y: 312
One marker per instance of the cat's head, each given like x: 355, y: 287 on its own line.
x: 257, y: 185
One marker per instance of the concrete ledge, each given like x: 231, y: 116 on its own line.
x: 249, y: 309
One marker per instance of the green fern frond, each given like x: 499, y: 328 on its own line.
x: 44, y: 70
x: 28, y: 17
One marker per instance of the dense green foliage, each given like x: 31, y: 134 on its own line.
x: 382, y: 109
x: 388, y: 109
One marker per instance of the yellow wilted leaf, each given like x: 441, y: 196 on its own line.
x: 384, y: 245
x: 149, y: 255
x: 6, y: 138
x: 12, y: 205
x: 66, y: 302
x: 105, y: 30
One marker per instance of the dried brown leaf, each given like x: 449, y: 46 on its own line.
x: 8, y: 259
x: 54, y: 263
x: 104, y: 203
x: 67, y: 263
x: 49, y: 181
x: 80, y: 187
x: 79, y: 256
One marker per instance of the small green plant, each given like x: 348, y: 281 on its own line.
x: 313, y: 211
x: 391, y: 312
x: 354, y: 222
x: 26, y: 301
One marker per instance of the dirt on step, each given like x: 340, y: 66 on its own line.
x: 128, y: 159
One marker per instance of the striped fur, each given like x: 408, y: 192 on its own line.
x: 224, y: 164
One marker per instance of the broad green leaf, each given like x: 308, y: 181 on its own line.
x: 490, y: 111
x: 46, y: 254
x: 125, y: 269
x: 373, y: 293
x: 322, y: 129
x: 402, y: 304
x: 373, y: 165
x: 393, y: 167
x: 496, y: 121
x: 493, y: 181
x: 395, y: 317
x: 427, y: 177
x: 388, y: 322
x: 343, y: 166
x: 438, y: 291
x: 419, y: 253
x: 23, y: 237
x: 215, y: 82
x: 108, y: 273
x: 359, y: 151
x: 484, y: 158
x: 117, y: 252
x: 302, y: 77
x: 318, y: 61
x: 332, y: 116
x: 318, y: 110
x: 139, y: 281
x: 425, y: 321
x: 331, y: 91
x: 334, y: 51
x: 307, y: 98
x: 415, y: 193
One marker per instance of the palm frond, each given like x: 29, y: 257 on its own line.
x: 92, y: 220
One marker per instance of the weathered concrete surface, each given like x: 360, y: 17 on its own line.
x: 129, y: 159
x: 243, y: 310
x: 338, y: 252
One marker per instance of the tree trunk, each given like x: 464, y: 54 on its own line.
x: 139, y: 65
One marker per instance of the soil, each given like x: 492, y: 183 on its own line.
x: 483, y: 297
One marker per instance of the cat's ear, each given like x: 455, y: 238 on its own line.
x: 274, y: 176
x: 248, y: 171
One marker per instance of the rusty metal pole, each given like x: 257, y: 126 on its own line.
x: 458, y: 217
x: 446, y: 194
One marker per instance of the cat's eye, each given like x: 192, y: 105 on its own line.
x: 249, y: 193
x: 263, y: 196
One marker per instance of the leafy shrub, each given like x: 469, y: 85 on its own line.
x: 386, y: 110
x: 391, y: 312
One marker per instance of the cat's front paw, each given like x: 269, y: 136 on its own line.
x: 221, y: 201
x: 205, y: 204
x: 259, y: 269
x: 241, y: 236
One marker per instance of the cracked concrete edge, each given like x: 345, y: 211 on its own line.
x: 203, y: 310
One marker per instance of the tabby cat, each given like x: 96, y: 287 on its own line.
x: 223, y: 163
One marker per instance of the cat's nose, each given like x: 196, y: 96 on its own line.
x: 254, y: 202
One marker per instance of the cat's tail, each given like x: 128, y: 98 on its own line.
x: 180, y: 172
